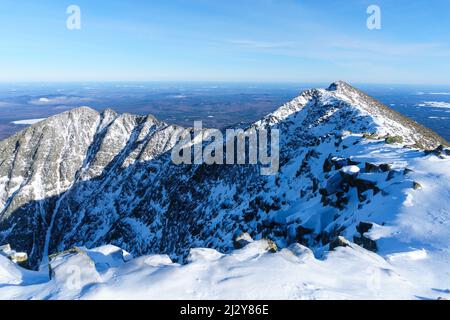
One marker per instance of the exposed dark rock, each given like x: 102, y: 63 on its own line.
x: 371, y: 168
x: 242, y: 240
x: 364, y: 185
x: 324, y: 200
x: 364, y: 227
x: 315, y: 185
x: 366, y: 243
x: 327, y: 236
x: 271, y: 246
x: 417, y: 186
x: 391, y: 175
x: 341, y: 201
x: 337, y: 163
x: 407, y: 171
x: 338, y: 242
x: 328, y: 164
x: 300, y: 233
x: 249, y: 214
x: 440, y: 152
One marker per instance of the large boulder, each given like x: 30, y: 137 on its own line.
x: 20, y: 258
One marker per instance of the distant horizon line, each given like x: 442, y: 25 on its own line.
x: 287, y: 82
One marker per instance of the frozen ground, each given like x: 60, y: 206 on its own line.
x: 249, y: 273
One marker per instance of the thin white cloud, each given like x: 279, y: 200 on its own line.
x: 389, y: 48
x: 435, y: 104
x: 261, y: 44
x: 44, y: 101
x: 433, y: 93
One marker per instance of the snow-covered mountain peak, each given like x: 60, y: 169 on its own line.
x: 339, y: 85
x: 341, y: 107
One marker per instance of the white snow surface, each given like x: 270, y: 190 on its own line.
x: 351, y: 170
x: 27, y: 121
x: 250, y: 273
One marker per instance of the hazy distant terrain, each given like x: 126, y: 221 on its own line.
x: 217, y: 104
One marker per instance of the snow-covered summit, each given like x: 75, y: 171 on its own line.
x: 349, y: 109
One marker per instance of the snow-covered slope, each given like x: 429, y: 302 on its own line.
x: 349, y: 167
x: 249, y: 273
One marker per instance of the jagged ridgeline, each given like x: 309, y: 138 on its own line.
x: 84, y: 178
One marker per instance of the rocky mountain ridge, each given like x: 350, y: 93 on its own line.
x: 84, y: 178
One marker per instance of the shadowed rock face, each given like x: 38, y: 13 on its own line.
x: 83, y: 178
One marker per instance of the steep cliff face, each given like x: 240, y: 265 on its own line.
x: 88, y: 179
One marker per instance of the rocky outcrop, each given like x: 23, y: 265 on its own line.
x: 21, y: 258
x: 362, y: 240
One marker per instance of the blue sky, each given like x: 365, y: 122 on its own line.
x: 233, y: 40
